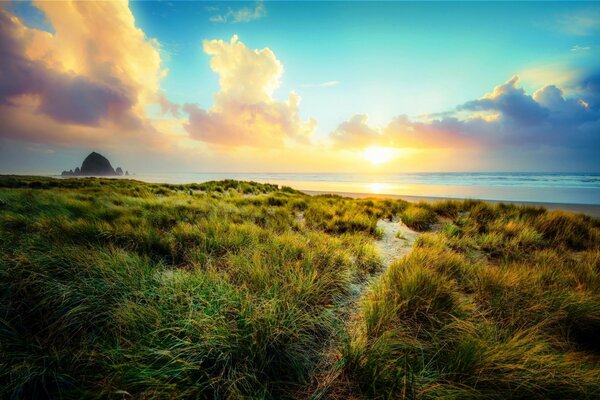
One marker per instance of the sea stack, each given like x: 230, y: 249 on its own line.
x: 95, y: 164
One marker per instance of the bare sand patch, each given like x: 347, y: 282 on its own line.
x: 396, y: 241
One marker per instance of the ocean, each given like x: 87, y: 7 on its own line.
x: 570, y: 188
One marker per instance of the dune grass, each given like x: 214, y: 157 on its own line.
x: 111, y: 288
x: 501, y: 302
x: 419, y: 217
x: 117, y: 289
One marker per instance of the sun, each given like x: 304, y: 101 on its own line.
x: 378, y: 155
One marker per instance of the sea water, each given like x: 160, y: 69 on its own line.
x: 573, y: 188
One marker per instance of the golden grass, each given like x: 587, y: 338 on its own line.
x: 116, y: 288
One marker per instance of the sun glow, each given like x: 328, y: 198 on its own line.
x: 378, y: 155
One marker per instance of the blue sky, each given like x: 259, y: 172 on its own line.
x: 419, y: 84
x: 389, y: 57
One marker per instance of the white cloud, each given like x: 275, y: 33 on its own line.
x: 579, y: 48
x: 244, y: 14
x: 322, y: 84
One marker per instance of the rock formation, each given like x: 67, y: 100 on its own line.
x: 94, y: 165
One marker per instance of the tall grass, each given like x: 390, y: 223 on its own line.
x: 501, y: 302
x: 419, y: 217
x: 116, y: 288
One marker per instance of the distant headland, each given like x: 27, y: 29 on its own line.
x: 95, y: 164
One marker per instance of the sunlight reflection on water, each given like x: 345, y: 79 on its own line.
x: 378, y: 188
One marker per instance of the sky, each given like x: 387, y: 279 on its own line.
x: 300, y: 86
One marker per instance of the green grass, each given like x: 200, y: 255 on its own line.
x: 419, y: 217
x: 117, y: 289
x: 501, y: 302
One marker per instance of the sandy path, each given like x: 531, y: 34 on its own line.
x: 397, y: 240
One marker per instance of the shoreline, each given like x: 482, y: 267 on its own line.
x: 593, y: 210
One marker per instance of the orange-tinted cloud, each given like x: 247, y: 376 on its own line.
x: 76, y: 79
x: 244, y: 112
x: 401, y: 132
x: 87, y: 45
x: 507, y: 116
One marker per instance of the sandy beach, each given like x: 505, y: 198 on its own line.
x: 592, y: 210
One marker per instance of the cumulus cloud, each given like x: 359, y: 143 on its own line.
x: 64, y: 96
x: 244, y: 112
x: 401, y: 132
x: 87, y: 45
x: 77, y: 76
x: 75, y: 87
x: 507, y: 116
x: 244, y: 14
x: 356, y: 133
x: 511, y: 102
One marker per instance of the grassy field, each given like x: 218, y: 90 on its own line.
x: 228, y: 290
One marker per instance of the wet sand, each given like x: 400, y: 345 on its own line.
x: 588, y: 209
